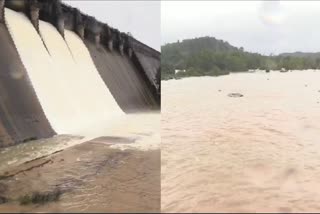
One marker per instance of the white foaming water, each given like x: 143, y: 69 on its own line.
x: 70, y: 90
x: 53, y: 96
x: 144, y: 127
x: 95, y: 104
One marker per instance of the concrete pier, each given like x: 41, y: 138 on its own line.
x: 34, y: 11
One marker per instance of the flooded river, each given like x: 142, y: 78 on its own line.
x: 256, y: 153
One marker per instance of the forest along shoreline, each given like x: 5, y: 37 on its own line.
x: 208, y: 56
x: 124, y: 179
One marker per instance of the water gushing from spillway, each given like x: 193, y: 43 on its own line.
x: 77, y: 101
x: 69, y: 88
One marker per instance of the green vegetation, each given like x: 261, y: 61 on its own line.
x: 3, y: 200
x: 29, y: 139
x: 40, y: 198
x: 208, y: 56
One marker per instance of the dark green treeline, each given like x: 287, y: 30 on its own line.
x: 212, y: 57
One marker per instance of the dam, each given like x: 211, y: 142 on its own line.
x: 64, y: 72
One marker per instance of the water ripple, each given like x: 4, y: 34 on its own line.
x: 256, y: 154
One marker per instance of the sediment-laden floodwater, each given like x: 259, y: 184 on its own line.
x: 111, y: 168
x: 256, y: 153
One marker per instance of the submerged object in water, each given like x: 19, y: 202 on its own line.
x: 235, y: 95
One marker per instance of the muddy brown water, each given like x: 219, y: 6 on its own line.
x: 92, y: 178
x: 115, y: 168
x: 256, y: 153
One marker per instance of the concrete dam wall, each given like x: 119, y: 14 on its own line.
x: 62, y: 71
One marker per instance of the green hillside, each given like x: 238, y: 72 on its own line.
x: 212, y: 57
x: 302, y: 54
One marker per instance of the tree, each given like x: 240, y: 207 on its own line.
x: 209, y: 56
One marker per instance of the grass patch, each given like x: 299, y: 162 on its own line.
x: 29, y: 139
x: 2, y: 177
x: 3, y: 200
x: 40, y: 198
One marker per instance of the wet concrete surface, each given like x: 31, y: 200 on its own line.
x: 22, y: 117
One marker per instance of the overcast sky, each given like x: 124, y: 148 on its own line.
x: 140, y: 18
x: 258, y: 26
